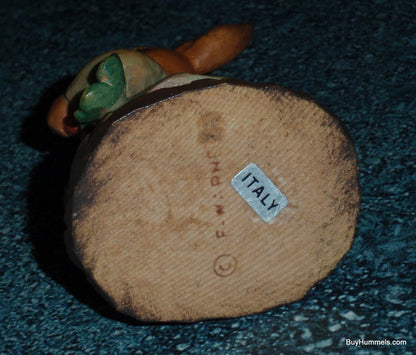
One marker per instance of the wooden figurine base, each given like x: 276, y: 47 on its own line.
x: 164, y: 235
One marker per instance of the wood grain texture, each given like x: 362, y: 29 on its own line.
x: 158, y: 228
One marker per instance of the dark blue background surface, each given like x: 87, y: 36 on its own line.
x: 357, y: 58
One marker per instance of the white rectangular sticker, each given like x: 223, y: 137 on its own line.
x: 259, y: 192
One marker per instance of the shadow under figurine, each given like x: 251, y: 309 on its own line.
x: 194, y: 197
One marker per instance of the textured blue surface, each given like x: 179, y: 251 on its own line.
x: 357, y: 58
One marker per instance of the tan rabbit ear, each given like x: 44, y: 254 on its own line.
x: 218, y: 47
x: 205, y: 54
x: 172, y: 62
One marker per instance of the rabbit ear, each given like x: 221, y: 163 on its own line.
x: 216, y: 48
x: 205, y: 54
x: 103, y: 96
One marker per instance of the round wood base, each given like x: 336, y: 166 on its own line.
x: 160, y: 229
